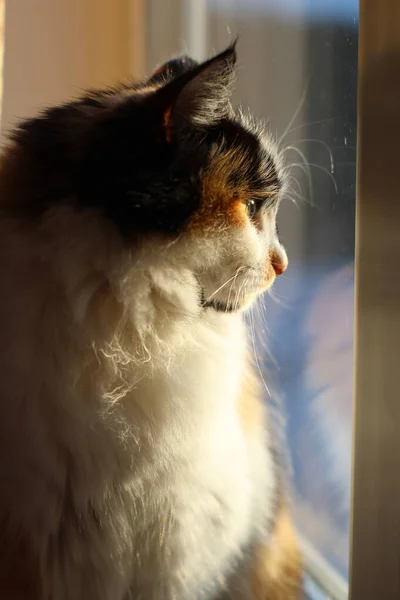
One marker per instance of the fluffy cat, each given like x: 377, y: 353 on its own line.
x: 136, y: 225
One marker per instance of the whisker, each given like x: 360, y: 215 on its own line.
x: 290, y: 179
x: 238, y: 297
x: 172, y: 242
x: 224, y: 284
x: 231, y: 288
x: 310, y: 123
x: 313, y: 140
x: 255, y: 352
x: 295, y: 195
x: 262, y: 310
x: 297, y: 111
x: 278, y: 300
x: 321, y: 169
x: 305, y: 167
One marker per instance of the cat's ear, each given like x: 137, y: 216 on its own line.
x: 199, y: 97
x: 172, y: 68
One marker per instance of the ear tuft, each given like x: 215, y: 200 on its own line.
x: 205, y: 99
x: 171, y: 69
x: 199, y: 97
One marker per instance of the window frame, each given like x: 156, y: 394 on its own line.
x: 375, y: 543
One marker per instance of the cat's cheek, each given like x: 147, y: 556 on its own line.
x: 177, y: 289
x: 237, y: 215
x: 269, y: 274
x: 219, y: 214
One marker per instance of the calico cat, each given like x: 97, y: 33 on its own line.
x: 136, y: 226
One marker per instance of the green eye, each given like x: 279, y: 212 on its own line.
x: 251, y: 207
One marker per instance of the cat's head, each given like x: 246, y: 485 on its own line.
x: 188, y: 188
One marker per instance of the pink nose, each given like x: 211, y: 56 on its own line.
x: 279, y: 262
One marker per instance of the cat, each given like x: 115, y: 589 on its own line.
x: 137, y: 224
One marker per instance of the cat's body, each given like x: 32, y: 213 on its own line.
x: 136, y: 460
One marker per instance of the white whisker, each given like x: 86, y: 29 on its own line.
x: 231, y: 288
x: 322, y: 143
x: 255, y: 352
x: 297, y: 111
x: 224, y: 284
x: 331, y: 177
x: 308, y: 124
x: 305, y: 166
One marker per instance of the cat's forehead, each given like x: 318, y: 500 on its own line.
x: 244, y: 158
x: 243, y: 164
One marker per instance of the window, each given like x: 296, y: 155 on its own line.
x: 375, y: 531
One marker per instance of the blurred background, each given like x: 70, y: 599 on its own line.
x: 298, y: 70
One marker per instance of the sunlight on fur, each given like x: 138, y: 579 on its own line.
x: 136, y: 226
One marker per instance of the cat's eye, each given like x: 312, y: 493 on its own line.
x: 251, y: 208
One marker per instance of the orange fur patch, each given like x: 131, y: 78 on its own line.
x: 167, y: 118
x: 222, y: 204
x: 277, y: 573
x: 237, y: 213
x: 251, y: 407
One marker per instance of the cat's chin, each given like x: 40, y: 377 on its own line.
x: 220, y: 306
x: 227, y: 308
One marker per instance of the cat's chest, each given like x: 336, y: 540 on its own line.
x: 211, y: 484
x: 196, y: 445
x: 178, y: 481
x: 202, y: 510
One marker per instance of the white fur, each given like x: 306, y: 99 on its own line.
x: 123, y: 460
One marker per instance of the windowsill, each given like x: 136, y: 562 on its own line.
x: 322, y: 582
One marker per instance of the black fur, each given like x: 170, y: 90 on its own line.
x: 173, y: 68
x: 219, y: 306
x: 115, y: 156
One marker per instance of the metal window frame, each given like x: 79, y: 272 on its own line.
x: 375, y: 536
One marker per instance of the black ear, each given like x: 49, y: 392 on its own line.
x: 199, y: 97
x: 172, y: 69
